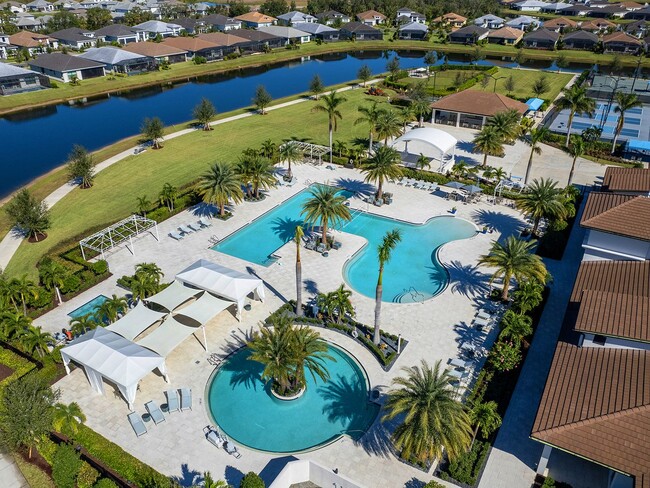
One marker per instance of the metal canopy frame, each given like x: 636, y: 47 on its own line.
x: 119, y: 232
x: 309, y: 148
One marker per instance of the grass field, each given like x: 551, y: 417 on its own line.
x: 524, y: 80
x: 443, y: 79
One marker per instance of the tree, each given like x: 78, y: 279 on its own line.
x: 35, y: 341
x: 384, y: 251
x: 516, y: 327
x: 369, y: 115
x: 489, y: 142
x: 420, y: 102
x: 383, y: 165
x: 66, y: 464
x: 52, y: 276
x: 510, y: 84
x: 67, y: 418
x: 143, y: 286
x: 210, y: 482
x: 616, y: 65
x: 220, y: 185
x: 137, y: 16
x: 204, y: 113
x: 309, y: 355
x: 575, y: 100
x: 423, y: 162
x: 26, y: 412
x: 340, y: 147
x: 542, y: 200
x: 257, y: 170
x: 535, y: 137
x: 29, y: 214
x: 514, y: 259
x: 238, y: 7
x: 433, y: 419
x: 168, y: 195
x: 153, y: 130
x: 388, y: 125
x: 541, y: 86
x: 251, y: 480
x: 330, y: 106
x: 150, y: 270
x: 144, y: 204
x: 325, y: 207
x: 84, y: 323
x: 520, y: 58
x: 316, y: 86
x: 577, y: 148
x: 506, y: 124
x: 64, y: 20
x: 477, y: 54
x: 98, y: 17
x: 393, y: 67
x: 13, y: 325
x: 298, y: 240
x: 112, y: 308
x: 430, y: 59
x: 262, y: 99
x: 624, y: 102
x: 364, y: 74
x: 291, y: 154
x: 269, y: 149
x: 274, y: 7
x: 81, y: 166
x: 528, y: 295
x: 336, y: 303
x: 484, y: 416
x: 22, y: 288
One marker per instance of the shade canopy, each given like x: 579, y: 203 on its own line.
x: 206, y: 307
x: 168, y: 336
x: 534, y: 103
x: 105, y: 354
x: 472, y: 189
x: 136, y: 321
x: 437, y: 138
x: 174, y: 295
x: 456, y: 185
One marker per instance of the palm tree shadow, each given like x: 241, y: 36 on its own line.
x: 311, y: 286
x: 204, y: 210
x: 274, y: 290
x: 285, y: 228
x: 358, y: 186
x: 244, y: 371
x: 468, y: 280
x: 465, y: 333
x: 503, y: 223
x: 188, y: 477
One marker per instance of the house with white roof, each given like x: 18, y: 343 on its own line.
x: 489, y: 21
x: 40, y: 6
x: 320, y: 31
x: 295, y: 17
x: 413, y: 30
x: 13, y: 7
x: 288, y: 34
x: 406, y: 15
x: 18, y: 80
x: 523, y: 22
x: 555, y: 8
x: 154, y: 28
x: 529, y: 5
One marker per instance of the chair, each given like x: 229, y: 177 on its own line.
x: 195, y: 226
x: 186, y: 399
x: 205, y: 223
x: 321, y: 247
x: 185, y: 229
x: 213, y: 436
x: 172, y: 401
x: 310, y: 244
x: 176, y: 236
x: 155, y: 412
x: 232, y: 449
x: 136, y: 422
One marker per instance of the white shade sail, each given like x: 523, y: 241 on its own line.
x: 136, y: 321
x: 168, y: 336
x: 206, y: 307
x: 437, y: 138
x: 105, y: 354
x: 174, y: 295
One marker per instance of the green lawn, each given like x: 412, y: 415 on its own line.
x: 524, y: 80
x: 443, y: 79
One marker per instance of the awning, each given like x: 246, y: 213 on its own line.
x: 534, y: 103
x: 174, y: 295
x: 168, y: 336
x: 206, y: 307
x: 136, y: 321
x: 637, y: 145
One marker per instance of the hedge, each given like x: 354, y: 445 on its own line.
x: 553, y: 243
x: 467, y: 468
x: 20, y: 366
x: 65, y: 466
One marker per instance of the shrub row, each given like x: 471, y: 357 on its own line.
x: 467, y: 468
x: 554, y: 241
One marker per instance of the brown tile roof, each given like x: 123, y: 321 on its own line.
x: 478, y: 103
x: 559, y: 22
x: 596, y: 24
x: 192, y: 44
x: 625, y: 277
x: 506, y: 33
x: 450, y: 17
x: 222, y: 39
x: 621, y: 37
x: 596, y: 404
x: 614, y: 314
x: 629, y: 219
x: 599, y: 202
x: 29, y: 39
x: 626, y: 179
x: 370, y: 14
x: 256, y: 17
x: 153, y: 49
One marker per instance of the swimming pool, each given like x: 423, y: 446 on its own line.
x: 412, y: 275
x: 88, y: 307
x: 245, y: 410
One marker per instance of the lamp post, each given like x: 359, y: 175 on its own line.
x: 496, y: 78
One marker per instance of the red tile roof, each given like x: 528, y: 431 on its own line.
x: 478, y: 103
x: 629, y: 219
x: 626, y: 179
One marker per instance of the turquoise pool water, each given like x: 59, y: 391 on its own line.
x: 88, y: 307
x: 412, y: 275
x: 245, y: 410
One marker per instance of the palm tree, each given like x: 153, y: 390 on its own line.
x: 260, y: 172
x: 151, y: 270
x: 52, y: 276
x: 14, y: 324
x: 506, y: 124
x: 339, y: 302
x: 310, y: 351
x: 542, y: 200
x: 535, y: 137
x: 290, y: 153
x: 499, y: 174
x: 67, y: 418
x: 514, y: 259
x: 340, y: 147
x: 34, y: 340
x: 516, y: 327
x: 421, y: 106
x: 168, y: 195
x: 433, y: 419
x: 269, y: 149
x: 22, y: 288
x: 575, y: 100
x: 370, y: 116
x: 489, y: 142
x: 144, y: 204
x: 423, y: 162
x: 528, y: 295
x: 79, y: 325
x: 330, y: 106
x: 112, y: 308
x: 624, y: 102
x: 383, y: 165
x: 406, y: 115
x: 143, y: 286
x: 209, y: 482
x: 325, y: 207
x: 388, y: 125
x: 577, y: 148
x: 484, y: 416
x: 298, y: 240
x: 221, y: 184
x: 384, y: 251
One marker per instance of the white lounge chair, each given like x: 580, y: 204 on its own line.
x: 136, y: 422
x: 155, y: 412
x: 213, y: 436
x: 186, y: 399
x: 176, y: 236
x: 172, y: 401
x: 185, y: 229
x: 204, y: 222
x: 434, y: 187
x: 232, y: 449
x: 195, y: 226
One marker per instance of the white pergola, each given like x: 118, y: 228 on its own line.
x: 123, y: 231
x: 310, y: 149
x: 442, y: 141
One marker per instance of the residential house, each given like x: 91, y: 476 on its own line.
x: 541, y: 39
x: 627, y: 181
x: 490, y: 22
x: 621, y: 42
x: 67, y: 5
x: 120, y: 61
x: 597, y: 26
x: 413, y: 30
x: 641, y: 14
x: 320, y: 31
x: 31, y: 23
x: 555, y: 8
x: 121, y: 34
x: 154, y: 28
x: 191, y: 25
x: 18, y: 80
x: 13, y: 7
x: 451, y: 19
x: 258, y: 41
x: 472, y: 108
x: 406, y: 16
x: 294, y: 17
x: 291, y: 35
x: 632, y: 6
x: 5, y: 47
x: 255, y: 20
x: 371, y: 17
x: 523, y: 22
x: 360, y: 32
x: 75, y: 38
x: 332, y: 16
x: 33, y: 42
x: 39, y: 6
x: 196, y: 47
x: 229, y: 43
x: 609, y: 11
x: 157, y: 51
x: 576, y: 10
x: 638, y: 28
x: 580, y: 39
x: 507, y: 36
x: 529, y: 6
x: 65, y: 67
x: 221, y: 23
x: 470, y: 34
x: 560, y: 24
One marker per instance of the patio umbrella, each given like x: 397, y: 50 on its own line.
x: 471, y: 189
x: 456, y: 185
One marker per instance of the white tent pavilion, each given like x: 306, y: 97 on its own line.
x: 136, y: 321
x: 106, y: 355
x: 174, y: 295
x: 169, y: 335
x: 442, y: 141
x: 222, y: 282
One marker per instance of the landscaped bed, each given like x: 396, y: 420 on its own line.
x: 12, y: 366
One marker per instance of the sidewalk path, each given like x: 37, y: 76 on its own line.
x: 10, y: 475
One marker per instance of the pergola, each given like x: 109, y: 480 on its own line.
x: 116, y: 234
x: 440, y: 140
x: 309, y: 148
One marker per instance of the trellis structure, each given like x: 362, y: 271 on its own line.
x: 310, y: 149
x: 122, y: 231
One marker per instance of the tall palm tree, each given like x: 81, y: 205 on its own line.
x: 535, y: 137
x: 151, y: 270
x: 325, y: 207
x: 388, y: 125
x: 577, y: 148
x: 383, y: 165
x: 22, y: 288
x: 514, y: 259
x: 298, y: 240
x: 506, y: 124
x: 67, y: 418
x: 370, y: 116
x: 330, y: 106
x: 221, y: 184
x: 485, y: 417
x: 53, y: 275
x: 406, y: 115
x: 624, y: 102
x: 260, y: 171
x: 542, y: 200
x: 168, y: 195
x: 310, y: 351
x: 488, y: 142
x: 421, y: 106
x: 79, y: 325
x: 13, y: 325
x: 269, y: 149
x: 576, y: 101
x: 384, y: 251
x: 433, y: 419
x: 290, y: 153
x: 144, y: 204
x: 112, y: 308
x: 34, y: 340
x: 143, y: 286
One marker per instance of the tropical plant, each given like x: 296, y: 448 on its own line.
x: 67, y: 418
x: 262, y: 99
x: 504, y: 356
x: 577, y: 148
x: 257, y: 170
x: 510, y: 85
x: 143, y: 286
x: 542, y: 200
x: 485, y: 417
x: 80, y: 325
x: 406, y: 115
x: 383, y: 165
x: 221, y: 184
x: 151, y: 270
x: 290, y: 153
x: 34, y: 340
x: 514, y: 259
x: 364, y: 74
x: 369, y: 115
x: 22, y: 288
x: 388, y: 125
x: 624, y: 102
x: 144, y: 204
x: 325, y: 207
x: 430, y: 59
x: 423, y: 162
x: 340, y: 147
x: 299, y: 233
x: 528, y: 295
x: 251, y: 480
x: 516, y: 327
x: 153, y: 130
x: 52, y: 275
x: 535, y: 137
x: 506, y: 124
x: 168, y: 195
x: 336, y: 303
x: 204, y: 113
x: 541, y: 86
x: 112, y: 308
x: 575, y: 100
x: 269, y: 149
x: 489, y: 142
x: 433, y: 419
x: 14, y: 325
x: 310, y: 351
x: 330, y: 106
x: 384, y: 251
x: 462, y: 170
x: 29, y: 214
x: 420, y: 101
x: 316, y: 86
x: 81, y: 166
x: 210, y: 482
x: 393, y: 67
x: 520, y: 57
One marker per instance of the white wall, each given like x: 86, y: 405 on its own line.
x: 302, y: 470
x: 602, y: 245
x: 615, y: 343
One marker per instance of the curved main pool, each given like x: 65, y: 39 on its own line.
x: 243, y: 407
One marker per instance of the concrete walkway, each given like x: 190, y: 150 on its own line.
x: 10, y: 475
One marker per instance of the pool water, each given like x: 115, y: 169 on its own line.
x: 89, y: 307
x: 246, y: 411
x: 413, y: 274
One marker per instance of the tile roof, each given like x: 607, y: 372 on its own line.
x: 479, y: 103
x: 559, y: 22
x: 596, y: 24
x: 191, y: 44
x: 253, y: 35
x: 256, y: 17
x: 370, y: 14
x: 599, y: 202
x: 543, y: 35
x: 506, y: 33
x: 63, y: 62
x: 110, y: 55
x: 222, y: 39
x: 624, y: 277
x: 629, y: 219
x: 28, y: 39
x: 153, y: 49
x: 614, y: 314
x: 115, y: 30
x: 626, y: 179
x: 358, y: 27
x: 621, y: 37
x: 451, y: 16
x: 581, y: 34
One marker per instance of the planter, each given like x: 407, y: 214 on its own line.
x: 295, y: 396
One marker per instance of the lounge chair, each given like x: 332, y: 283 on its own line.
x: 310, y: 244
x: 213, y: 436
x: 176, y: 236
x: 185, y: 229
x: 321, y: 247
x: 205, y: 223
x: 136, y: 422
x: 155, y: 412
x: 400, y: 181
x: 195, y: 226
x: 231, y: 449
x: 172, y: 401
x: 434, y: 187
x: 186, y: 399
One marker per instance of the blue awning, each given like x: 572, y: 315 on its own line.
x: 534, y: 103
x: 638, y: 145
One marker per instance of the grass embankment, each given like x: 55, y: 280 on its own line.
x: 181, y: 161
x: 524, y: 81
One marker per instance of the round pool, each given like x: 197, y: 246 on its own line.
x: 242, y: 405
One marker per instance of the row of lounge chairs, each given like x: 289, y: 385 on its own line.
x: 217, y: 439
x: 175, y: 403
x: 186, y: 229
x: 418, y: 184
x: 291, y: 182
